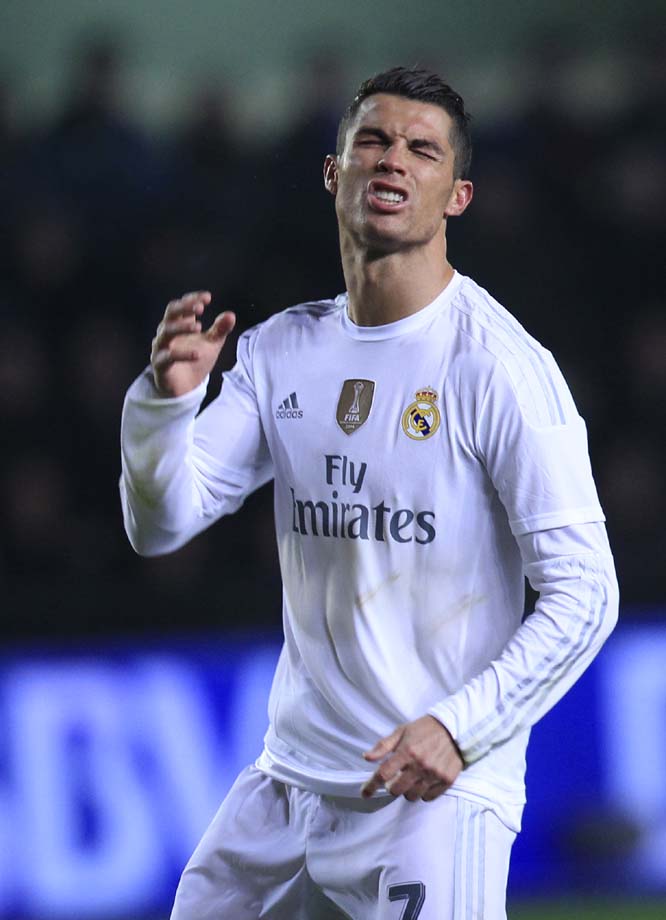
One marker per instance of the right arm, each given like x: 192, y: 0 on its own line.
x: 181, y: 472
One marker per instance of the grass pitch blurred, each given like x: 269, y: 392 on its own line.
x: 615, y: 909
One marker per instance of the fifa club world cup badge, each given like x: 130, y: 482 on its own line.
x: 354, y: 404
x: 421, y: 419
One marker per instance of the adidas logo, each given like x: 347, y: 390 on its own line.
x: 288, y: 408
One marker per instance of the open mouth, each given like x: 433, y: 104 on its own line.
x: 385, y: 197
x: 393, y: 197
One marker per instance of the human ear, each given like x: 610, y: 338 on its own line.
x: 331, y: 174
x: 461, y: 195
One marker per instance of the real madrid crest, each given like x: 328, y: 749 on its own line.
x: 421, y: 419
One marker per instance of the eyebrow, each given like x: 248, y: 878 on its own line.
x: 422, y: 143
x: 418, y: 143
x: 373, y: 132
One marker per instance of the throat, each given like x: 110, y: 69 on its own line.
x: 388, y: 291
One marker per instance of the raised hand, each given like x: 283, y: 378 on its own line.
x: 419, y: 760
x: 182, y: 353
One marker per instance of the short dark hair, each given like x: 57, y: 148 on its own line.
x: 423, y: 86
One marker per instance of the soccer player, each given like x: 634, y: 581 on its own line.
x: 426, y: 454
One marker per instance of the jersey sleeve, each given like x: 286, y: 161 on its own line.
x: 534, y: 447
x: 533, y: 444
x: 181, y: 472
x: 572, y: 569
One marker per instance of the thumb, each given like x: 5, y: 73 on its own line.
x: 384, y: 745
x: 222, y: 326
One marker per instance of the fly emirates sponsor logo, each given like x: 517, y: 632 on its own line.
x: 355, y: 520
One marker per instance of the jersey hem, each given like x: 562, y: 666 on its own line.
x: 347, y: 785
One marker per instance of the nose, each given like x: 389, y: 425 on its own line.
x: 392, y: 160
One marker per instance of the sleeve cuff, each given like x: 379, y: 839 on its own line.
x: 144, y: 393
x: 446, y: 714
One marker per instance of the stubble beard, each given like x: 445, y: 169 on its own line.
x: 375, y: 243
x: 362, y: 232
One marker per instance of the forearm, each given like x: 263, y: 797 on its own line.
x: 575, y: 613
x: 162, y: 507
x: 181, y: 472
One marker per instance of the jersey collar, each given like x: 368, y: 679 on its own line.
x: 401, y: 326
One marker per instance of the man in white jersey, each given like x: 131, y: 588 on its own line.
x: 426, y: 454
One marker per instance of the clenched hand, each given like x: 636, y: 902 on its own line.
x: 182, y: 353
x: 422, y: 763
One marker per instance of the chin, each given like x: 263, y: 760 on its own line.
x: 383, y: 237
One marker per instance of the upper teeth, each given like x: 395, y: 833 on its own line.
x: 385, y: 195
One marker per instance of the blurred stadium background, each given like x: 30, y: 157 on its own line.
x: 148, y: 149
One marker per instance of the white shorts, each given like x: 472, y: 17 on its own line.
x: 282, y: 853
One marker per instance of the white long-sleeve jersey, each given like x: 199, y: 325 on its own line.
x: 421, y: 469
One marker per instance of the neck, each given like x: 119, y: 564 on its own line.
x: 387, y: 287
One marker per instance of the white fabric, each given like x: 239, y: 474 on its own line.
x: 282, y: 853
x: 402, y: 558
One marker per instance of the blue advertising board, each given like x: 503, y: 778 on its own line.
x: 114, y: 760
x: 111, y: 765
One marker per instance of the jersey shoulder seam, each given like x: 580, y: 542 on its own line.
x: 316, y: 309
x: 523, y: 358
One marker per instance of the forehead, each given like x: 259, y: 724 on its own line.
x: 397, y: 115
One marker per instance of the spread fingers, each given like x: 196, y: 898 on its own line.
x: 165, y: 357
x: 169, y: 329
x: 189, y: 304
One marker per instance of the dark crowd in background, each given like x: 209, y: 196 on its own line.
x: 104, y: 221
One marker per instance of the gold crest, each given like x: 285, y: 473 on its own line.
x: 354, y: 404
x: 421, y: 419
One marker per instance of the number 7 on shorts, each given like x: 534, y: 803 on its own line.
x: 411, y: 892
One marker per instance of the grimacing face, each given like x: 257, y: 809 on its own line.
x: 393, y: 183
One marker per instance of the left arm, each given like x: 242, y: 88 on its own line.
x: 572, y: 568
x: 533, y: 445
